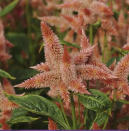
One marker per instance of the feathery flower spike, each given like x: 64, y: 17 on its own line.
x: 122, y: 68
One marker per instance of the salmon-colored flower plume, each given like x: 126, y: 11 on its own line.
x: 51, y: 125
x: 6, y: 106
x: 62, y: 71
x: 122, y: 68
x: 4, y: 45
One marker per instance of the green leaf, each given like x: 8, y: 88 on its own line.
x: 23, y: 73
x: 20, y: 41
x: 69, y: 44
x: 8, y: 8
x: 39, y: 105
x: 22, y: 119
x: 91, y: 115
x: 97, y: 24
x: 116, y: 14
x: 110, y: 61
x: 18, y: 112
x: 21, y: 44
x: 94, y: 117
x: 6, y: 75
x: 41, y: 47
x: 125, y: 118
x: 97, y: 101
x: 123, y: 101
x: 36, y: 91
x: 101, y: 118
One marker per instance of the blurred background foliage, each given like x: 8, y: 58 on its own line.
x: 23, y: 31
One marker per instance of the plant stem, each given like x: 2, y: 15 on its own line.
x: 85, y: 118
x: 28, y: 19
x: 73, y: 113
x: 91, y: 34
x: 105, y: 49
x: 105, y: 124
x: 79, y: 111
x: 63, y: 112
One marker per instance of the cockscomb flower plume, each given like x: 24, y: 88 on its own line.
x: 6, y: 106
x: 4, y: 45
x: 60, y: 72
x: 121, y: 70
x: 51, y: 125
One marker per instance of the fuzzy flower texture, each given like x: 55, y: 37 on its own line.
x: 64, y: 72
x: 6, y: 106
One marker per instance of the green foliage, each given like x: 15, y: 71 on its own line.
x: 101, y: 118
x: 19, y: 40
x: 110, y: 61
x: 69, y: 44
x: 39, y: 105
x: 18, y: 112
x: 94, y: 117
x: 20, y: 115
x: 98, y: 107
x: 35, y: 107
x: 6, y: 74
x: 8, y: 8
x: 125, y: 118
x: 97, y: 101
x: 123, y: 101
x: 116, y: 14
x: 90, y: 117
x: 22, y: 119
x: 22, y: 73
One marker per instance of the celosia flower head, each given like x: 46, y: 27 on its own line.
x: 60, y: 72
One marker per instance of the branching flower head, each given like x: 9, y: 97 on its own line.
x: 60, y: 71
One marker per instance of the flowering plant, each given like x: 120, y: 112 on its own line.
x: 82, y: 82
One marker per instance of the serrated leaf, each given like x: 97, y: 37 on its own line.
x: 8, y: 8
x: 6, y: 74
x: 39, y: 105
x: 22, y: 119
x: 97, y: 101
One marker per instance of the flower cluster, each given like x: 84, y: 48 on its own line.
x: 4, y: 45
x: 86, y: 48
x: 62, y: 71
x: 6, y: 106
